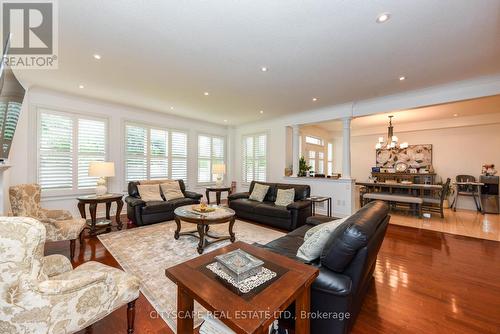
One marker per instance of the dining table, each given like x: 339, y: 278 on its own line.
x: 412, y: 188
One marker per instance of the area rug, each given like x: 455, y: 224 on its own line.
x: 147, y: 251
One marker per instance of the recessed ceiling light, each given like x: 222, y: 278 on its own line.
x: 206, y: 93
x: 96, y: 56
x: 81, y: 86
x: 261, y: 112
x: 315, y: 99
x: 263, y: 69
x: 172, y: 108
x: 384, y: 17
x: 402, y: 78
x: 225, y: 121
x: 455, y: 115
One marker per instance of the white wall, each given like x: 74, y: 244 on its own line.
x: 23, y: 154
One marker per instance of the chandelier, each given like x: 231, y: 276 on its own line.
x: 392, y: 140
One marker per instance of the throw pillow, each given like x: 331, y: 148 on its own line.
x: 312, y: 247
x: 285, y: 197
x: 149, y: 192
x: 318, y: 227
x: 171, y: 190
x: 259, y: 192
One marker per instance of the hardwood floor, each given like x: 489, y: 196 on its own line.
x: 425, y: 282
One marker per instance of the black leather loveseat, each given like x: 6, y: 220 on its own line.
x: 144, y: 213
x: 266, y: 212
x: 346, y: 265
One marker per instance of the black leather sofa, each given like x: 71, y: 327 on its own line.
x: 266, y: 212
x: 346, y: 265
x: 145, y: 213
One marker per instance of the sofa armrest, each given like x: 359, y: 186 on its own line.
x: 193, y: 195
x: 299, y: 205
x: 234, y: 196
x: 332, y: 283
x: 134, y: 201
x: 55, y: 264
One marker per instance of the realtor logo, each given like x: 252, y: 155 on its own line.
x: 32, y: 27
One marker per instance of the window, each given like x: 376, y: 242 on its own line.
x: 67, y: 144
x: 211, y: 151
x: 254, y: 158
x: 312, y: 160
x: 321, y: 163
x: 314, y: 141
x: 330, y: 159
x: 154, y: 153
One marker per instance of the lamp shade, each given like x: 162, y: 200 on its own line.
x: 101, y: 169
x: 219, y: 169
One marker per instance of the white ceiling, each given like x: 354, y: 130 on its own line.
x: 474, y: 107
x: 157, y: 54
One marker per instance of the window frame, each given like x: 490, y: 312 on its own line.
x: 148, y: 127
x: 212, y: 158
x: 242, y: 156
x: 321, y: 141
x: 75, y: 116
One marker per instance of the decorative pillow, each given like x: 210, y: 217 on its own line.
x: 313, y: 246
x: 259, y: 192
x: 318, y: 227
x: 285, y: 197
x: 171, y: 190
x: 149, y: 192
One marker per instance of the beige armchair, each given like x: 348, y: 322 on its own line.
x: 45, y: 295
x: 60, y: 224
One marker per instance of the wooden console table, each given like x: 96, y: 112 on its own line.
x: 254, y: 311
x: 93, y: 200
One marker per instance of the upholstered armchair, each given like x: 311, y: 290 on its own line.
x: 59, y: 224
x: 45, y: 295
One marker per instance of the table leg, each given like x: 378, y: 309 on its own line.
x: 81, y: 208
x: 231, y: 233
x: 93, y: 217
x: 479, y: 199
x: 108, y: 210
x: 185, y: 308
x: 207, y: 193
x: 201, y: 244
x: 313, y: 209
x: 302, y: 308
x: 119, y: 206
x: 178, y: 230
x: 217, y: 197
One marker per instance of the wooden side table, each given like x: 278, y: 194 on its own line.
x: 218, y: 191
x: 93, y: 200
x: 248, y: 313
x: 319, y: 199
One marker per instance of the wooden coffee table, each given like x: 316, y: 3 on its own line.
x: 203, y: 221
x: 244, y: 313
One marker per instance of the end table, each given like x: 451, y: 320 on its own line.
x: 319, y: 199
x: 218, y: 191
x: 93, y: 200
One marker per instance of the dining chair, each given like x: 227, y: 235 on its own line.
x: 436, y: 204
x: 466, y: 190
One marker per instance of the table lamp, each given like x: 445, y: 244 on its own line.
x: 219, y: 170
x: 101, y: 170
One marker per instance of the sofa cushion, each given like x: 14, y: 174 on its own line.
x: 244, y: 204
x: 285, y: 197
x: 302, y: 191
x: 325, y: 225
x: 316, y: 239
x: 182, y: 201
x: 272, y: 210
x: 286, y: 245
x: 150, y: 192
x: 353, y: 235
x: 171, y: 190
x: 271, y: 193
x: 157, y: 207
x: 259, y: 192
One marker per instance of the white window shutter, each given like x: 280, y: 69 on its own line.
x: 136, y: 142
x: 91, y: 147
x: 158, y: 166
x: 179, y: 155
x: 254, y: 158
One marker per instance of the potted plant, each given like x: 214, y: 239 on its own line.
x: 303, y: 167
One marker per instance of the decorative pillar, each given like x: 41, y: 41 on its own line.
x: 346, y: 148
x: 295, y: 149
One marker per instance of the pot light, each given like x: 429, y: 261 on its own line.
x: 315, y: 99
x: 206, y: 93
x: 261, y: 112
x: 455, y: 115
x: 384, y: 17
x: 97, y: 56
x: 263, y: 69
x: 225, y: 121
x: 402, y: 78
x: 172, y: 108
x: 81, y: 86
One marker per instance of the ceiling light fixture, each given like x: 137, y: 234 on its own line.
x: 315, y: 99
x: 225, y: 121
x: 81, y: 86
x: 455, y: 115
x: 206, y: 93
x: 392, y: 140
x: 263, y: 69
x: 172, y: 108
x: 402, y: 78
x: 261, y: 112
x: 384, y: 17
x: 98, y: 57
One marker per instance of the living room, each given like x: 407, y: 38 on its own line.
x: 250, y: 167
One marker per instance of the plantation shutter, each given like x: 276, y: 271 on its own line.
x: 260, y: 157
x: 91, y: 147
x: 255, y: 158
x: 204, y: 159
x: 158, y: 168
x: 55, y: 170
x: 179, y: 155
x: 136, y: 165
